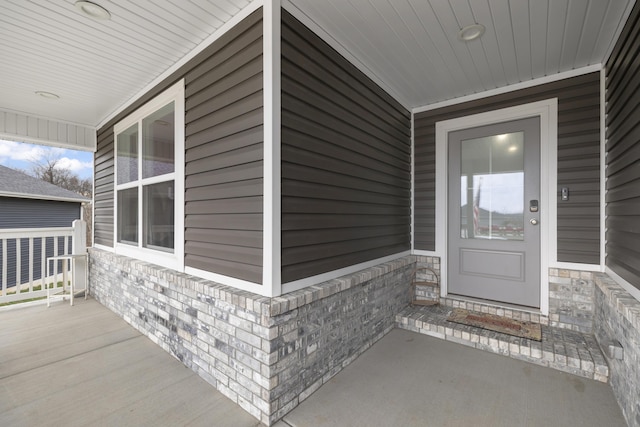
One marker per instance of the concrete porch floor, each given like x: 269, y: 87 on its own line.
x: 82, y: 365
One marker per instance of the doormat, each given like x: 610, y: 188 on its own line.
x: 517, y: 328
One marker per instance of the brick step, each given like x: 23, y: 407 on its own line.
x: 567, y: 351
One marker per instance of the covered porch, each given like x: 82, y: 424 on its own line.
x: 83, y: 365
x: 297, y: 174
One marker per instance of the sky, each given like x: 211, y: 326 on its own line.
x: 19, y: 155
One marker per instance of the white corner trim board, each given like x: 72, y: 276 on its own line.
x: 271, y: 246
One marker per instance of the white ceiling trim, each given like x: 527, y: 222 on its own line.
x: 511, y: 88
x: 342, y: 50
x: 21, y: 127
x: 228, y: 25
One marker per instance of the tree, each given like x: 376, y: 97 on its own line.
x: 49, y: 169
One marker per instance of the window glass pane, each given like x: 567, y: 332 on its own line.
x: 158, y: 142
x: 158, y: 215
x: 127, y: 159
x: 492, y: 187
x: 128, y: 216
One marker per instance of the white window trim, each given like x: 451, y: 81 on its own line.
x: 174, y: 260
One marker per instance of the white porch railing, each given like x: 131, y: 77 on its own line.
x: 24, y: 253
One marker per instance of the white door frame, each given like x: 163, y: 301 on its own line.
x: 547, y: 110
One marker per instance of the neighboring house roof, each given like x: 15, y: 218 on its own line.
x: 17, y: 184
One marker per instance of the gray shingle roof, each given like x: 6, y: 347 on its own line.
x: 14, y: 183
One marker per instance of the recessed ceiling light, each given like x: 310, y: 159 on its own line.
x: 47, y: 95
x: 471, y: 32
x: 93, y: 10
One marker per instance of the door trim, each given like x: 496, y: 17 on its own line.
x: 547, y: 110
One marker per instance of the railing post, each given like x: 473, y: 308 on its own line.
x: 79, y: 247
x: 79, y: 240
x: 4, y: 267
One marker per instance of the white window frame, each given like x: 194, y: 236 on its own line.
x: 175, y: 259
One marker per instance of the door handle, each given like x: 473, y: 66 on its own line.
x: 533, y: 221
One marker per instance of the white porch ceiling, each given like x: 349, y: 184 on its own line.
x: 96, y: 66
x: 410, y: 47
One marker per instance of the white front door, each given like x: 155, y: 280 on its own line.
x: 494, y: 212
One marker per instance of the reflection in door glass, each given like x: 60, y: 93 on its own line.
x: 492, y: 187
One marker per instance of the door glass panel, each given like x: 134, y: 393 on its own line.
x: 492, y: 187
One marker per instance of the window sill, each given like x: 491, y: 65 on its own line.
x: 165, y: 259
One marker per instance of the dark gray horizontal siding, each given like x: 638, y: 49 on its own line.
x: 579, y: 170
x: 623, y: 154
x: 345, y: 161
x: 103, y: 177
x: 224, y: 158
x: 578, y: 162
x: 223, y: 155
x: 424, y: 220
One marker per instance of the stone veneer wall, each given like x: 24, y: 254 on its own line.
x: 618, y: 319
x: 572, y: 299
x: 344, y: 318
x: 423, y: 274
x: 269, y: 354
x: 220, y: 333
x: 571, y: 302
x: 265, y: 354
